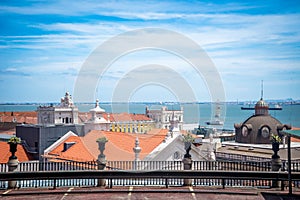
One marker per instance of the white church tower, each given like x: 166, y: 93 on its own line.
x: 64, y: 113
x: 97, y: 121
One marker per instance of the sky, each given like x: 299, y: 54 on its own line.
x: 45, y: 44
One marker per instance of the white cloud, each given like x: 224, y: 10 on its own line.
x: 10, y: 70
x: 126, y: 9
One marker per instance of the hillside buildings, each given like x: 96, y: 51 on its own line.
x: 53, y: 123
x: 61, y: 129
x: 57, y: 124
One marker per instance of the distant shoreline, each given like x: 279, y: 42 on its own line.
x: 285, y: 102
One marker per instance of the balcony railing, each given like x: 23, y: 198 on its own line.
x: 203, y: 173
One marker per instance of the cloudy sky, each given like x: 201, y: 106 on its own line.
x: 44, y: 44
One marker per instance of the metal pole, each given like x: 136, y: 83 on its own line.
x: 289, y: 165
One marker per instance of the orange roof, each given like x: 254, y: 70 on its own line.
x: 24, y: 114
x: 120, y: 145
x: 77, y: 152
x: 8, y: 132
x: 20, y: 117
x: 5, y: 153
x: 84, y: 116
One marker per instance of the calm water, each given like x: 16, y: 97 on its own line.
x: 193, y: 113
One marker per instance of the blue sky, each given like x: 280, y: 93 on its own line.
x: 43, y: 45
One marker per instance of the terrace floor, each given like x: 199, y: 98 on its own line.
x: 131, y: 193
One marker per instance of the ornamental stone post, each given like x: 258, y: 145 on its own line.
x: 101, y: 159
x: 13, y: 161
x: 137, y: 149
x: 187, y: 162
x: 12, y: 166
x: 187, y: 165
x: 276, y: 163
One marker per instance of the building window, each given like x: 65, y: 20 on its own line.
x: 265, y: 132
x: 245, y: 131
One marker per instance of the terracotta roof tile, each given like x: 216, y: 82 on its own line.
x: 19, y: 117
x: 27, y: 114
x: 77, y: 152
x: 84, y: 116
x: 8, y: 132
x: 120, y: 145
x: 5, y: 153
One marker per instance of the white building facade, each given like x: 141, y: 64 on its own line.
x: 65, y: 113
x: 97, y: 121
x: 165, y: 118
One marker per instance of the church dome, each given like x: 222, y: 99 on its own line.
x: 257, y: 122
x: 97, y: 108
x: 258, y: 129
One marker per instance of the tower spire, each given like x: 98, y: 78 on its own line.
x: 262, y: 89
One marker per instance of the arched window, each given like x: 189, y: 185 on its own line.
x: 265, y: 131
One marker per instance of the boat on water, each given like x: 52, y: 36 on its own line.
x: 276, y: 107
x: 217, y: 121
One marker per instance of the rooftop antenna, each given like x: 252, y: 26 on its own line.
x: 262, y: 89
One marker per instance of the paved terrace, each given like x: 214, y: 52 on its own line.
x: 131, y: 192
x: 211, y: 180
